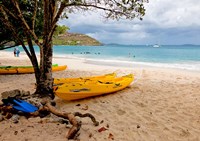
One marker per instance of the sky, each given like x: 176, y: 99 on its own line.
x: 166, y: 22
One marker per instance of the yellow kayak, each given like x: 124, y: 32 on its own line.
x: 58, y: 81
x: 26, y: 69
x: 75, y: 90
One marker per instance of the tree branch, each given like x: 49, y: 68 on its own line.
x: 2, y: 48
x: 128, y: 9
x: 33, y: 58
x: 34, y: 14
x: 24, y: 23
x: 12, y: 29
x: 55, y: 19
x: 9, y: 12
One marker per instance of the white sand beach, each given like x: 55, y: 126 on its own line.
x: 161, y: 105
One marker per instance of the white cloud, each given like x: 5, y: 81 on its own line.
x: 163, y: 18
x: 121, y: 38
x: 173, y: 13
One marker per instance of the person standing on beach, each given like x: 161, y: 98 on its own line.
x: 15, y: 52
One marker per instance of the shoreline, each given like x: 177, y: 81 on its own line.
x: 90, y: 64
x: 162, y: 104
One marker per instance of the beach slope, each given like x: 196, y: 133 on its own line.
x: 162, y: 105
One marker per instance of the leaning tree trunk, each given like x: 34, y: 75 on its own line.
x: 45, y: 81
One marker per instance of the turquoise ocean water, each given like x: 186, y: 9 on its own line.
x: 167, y: 56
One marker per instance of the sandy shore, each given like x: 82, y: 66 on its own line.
x: 162, y: 105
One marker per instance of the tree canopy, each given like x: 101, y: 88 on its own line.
x: 11, y: 24
x: 33, y: 11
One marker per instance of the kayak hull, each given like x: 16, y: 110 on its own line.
x: 26, y: 69
x: 80, y: 90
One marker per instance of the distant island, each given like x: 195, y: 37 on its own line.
x: 189, y: 45
x: 75, y: 39
x: 70, y: 39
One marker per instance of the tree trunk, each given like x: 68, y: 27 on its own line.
x: 45, y: 81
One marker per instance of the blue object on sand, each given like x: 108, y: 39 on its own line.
x: 24, y: 106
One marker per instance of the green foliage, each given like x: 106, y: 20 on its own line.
x: 65, y: 42
x: 60, y: 30
x: 27, y: 8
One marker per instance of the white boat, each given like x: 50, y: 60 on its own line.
x: 156, y: 45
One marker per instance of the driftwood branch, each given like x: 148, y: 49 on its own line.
x: 96, y: 123
x: 76, y: 125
